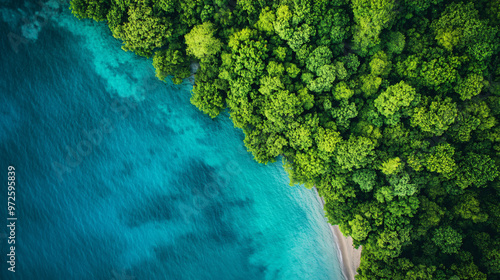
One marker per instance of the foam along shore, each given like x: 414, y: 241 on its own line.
x: 350, y: 256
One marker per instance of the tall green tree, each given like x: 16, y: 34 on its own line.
x: 201, y: 42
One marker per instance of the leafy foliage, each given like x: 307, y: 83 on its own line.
x: 200, y: 41
x: 390, y: 108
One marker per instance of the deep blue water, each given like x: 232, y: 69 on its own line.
x: 118, y: 176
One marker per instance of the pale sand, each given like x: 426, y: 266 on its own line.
x: 350, y: 257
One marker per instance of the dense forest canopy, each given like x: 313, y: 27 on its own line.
x: 389, y: 107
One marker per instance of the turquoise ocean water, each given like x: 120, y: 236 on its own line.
x: 118, y: 176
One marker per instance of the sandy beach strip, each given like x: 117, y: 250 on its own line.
x: 350, y: 256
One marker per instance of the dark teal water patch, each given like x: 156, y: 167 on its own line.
x: 157, y: 208
x: 119, y: 176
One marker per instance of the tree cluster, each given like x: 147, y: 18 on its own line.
x: 390, y: 108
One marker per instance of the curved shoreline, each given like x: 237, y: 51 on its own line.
x: 349, y: 256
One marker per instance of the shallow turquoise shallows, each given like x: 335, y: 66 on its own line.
x: 119, y: 177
